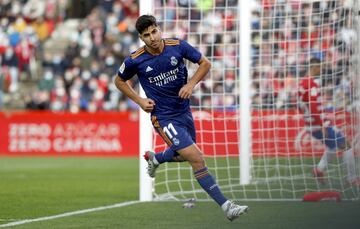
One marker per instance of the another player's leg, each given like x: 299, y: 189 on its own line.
x: 193, y: 154
x: 336, y: 140
x: 320, y: 168
x: 349, y: 162
x: 329, y: 154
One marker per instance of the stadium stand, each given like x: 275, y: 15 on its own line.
x: 70, y: 62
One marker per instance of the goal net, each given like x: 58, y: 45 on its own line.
x: 285, y: 35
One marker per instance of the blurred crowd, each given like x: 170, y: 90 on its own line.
x: 24, y: 25
x: 284, y: 37
x: 81, y: 78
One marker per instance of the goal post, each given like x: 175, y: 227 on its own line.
x: 244, y: 15
x: 246, y: 112
x: 145, y: 131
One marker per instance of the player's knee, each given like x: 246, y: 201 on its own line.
x: 197, y: 164
x: 179, y: 158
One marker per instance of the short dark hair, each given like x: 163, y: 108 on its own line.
x: 314, y: 61
x: 144, y: 21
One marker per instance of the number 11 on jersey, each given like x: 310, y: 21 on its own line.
x: 170, y: 130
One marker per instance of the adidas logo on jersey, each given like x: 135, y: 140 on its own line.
x: 148, y: 69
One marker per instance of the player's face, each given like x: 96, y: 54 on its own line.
x: 151, y: 37
x: 316, y: 70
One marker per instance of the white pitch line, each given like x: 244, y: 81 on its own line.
x: 10, y: 219
x: 118, y: 205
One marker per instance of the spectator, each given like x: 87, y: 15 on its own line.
x: 10, y: 66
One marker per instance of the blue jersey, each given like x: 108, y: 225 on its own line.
x: 162, y: 76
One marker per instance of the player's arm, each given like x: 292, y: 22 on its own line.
x: 204, y: 67
x: 145, y: 103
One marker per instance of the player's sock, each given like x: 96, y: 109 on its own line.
x: 349, y: 161
x: 327, y: 156
x: 166, y: 156
x: 207, y: 182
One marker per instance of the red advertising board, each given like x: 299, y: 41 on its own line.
x: 88, y: 134
x: 274, y: 133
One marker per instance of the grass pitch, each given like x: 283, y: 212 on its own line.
x: 34, y: 187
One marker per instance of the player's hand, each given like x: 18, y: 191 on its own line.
x: 186, y: 91
x: 147, y: 104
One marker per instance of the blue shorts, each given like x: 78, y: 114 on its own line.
x: 177, y: 132
x: 334, y: 138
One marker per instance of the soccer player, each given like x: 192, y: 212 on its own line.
x: 163, y: 75
x: 322, y: 128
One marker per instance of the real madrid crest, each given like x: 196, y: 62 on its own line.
x: 176, y: 141
x: 173, y: 61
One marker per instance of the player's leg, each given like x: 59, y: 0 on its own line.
x: 329, y: 154
x: 336, y: 139
x: 169, y: 155
x: 330, y: 150
x: 191, y: 152
x: 180, y: 134
x: 349, y: 163
x: 195, y: 157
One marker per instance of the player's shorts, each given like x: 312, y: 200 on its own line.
x: 334, y: 138
x: 178, y: 132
